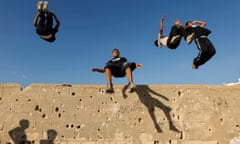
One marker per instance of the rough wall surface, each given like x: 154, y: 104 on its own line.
x: 85, y: 114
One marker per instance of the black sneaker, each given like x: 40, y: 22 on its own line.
x: 109, y: 89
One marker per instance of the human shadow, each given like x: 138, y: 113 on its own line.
x: 144, y: 94
x: 51, y: 134
x: 18, y: 134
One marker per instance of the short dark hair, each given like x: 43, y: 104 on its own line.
x: 116, y: 50
x: 156, y: 43
x: 186, y: 24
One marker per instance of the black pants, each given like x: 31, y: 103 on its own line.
x: 175, y: 31
x: 44, y: 27
x: 206, y: 51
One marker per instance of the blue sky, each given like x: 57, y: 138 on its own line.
x: 90, y: 29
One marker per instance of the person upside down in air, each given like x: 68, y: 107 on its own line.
x: 195, y: 30
x: 43, y: 22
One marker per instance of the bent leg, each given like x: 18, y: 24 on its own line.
x: 174, y: 37
x: 129, y: 74
x: 207, y: 51
x: 131, y: 84
x: 41, y: 24
x: 108, y: 74
x: 42, y: 19
x: 49, y: 22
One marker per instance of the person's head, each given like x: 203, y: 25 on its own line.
x: 157, y: 43
x: 189, y: 24
x: 24, y: 123
x: 52, y: 134
x: 115, y: 53
x: 177, y: 22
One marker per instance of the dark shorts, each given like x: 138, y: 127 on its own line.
x: 45, y: 31
x: 119, y: 71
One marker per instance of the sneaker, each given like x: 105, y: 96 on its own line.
x: 132, y: 87
x: 45, y: 6
x: 175, y: 39
x: 190, y: 38
x: 194, y: 66
x: 109, y: 89
x: 39, y: 5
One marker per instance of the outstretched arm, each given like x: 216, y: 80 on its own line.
x: 36, y: 19
x: 56, y: 19
x: 161, y: 25
x: 98, y: 70
x: 200, y: 23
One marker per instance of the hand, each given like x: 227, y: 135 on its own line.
x: 163, y: 18
x: 139, y: 65
x: 94, y: 69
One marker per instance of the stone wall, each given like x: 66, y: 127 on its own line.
x: 85, y: 114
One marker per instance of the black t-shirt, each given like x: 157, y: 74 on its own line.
x: 118, y: 61
x: 198, y: 31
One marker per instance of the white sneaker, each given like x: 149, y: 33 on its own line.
x: 39, y: 5
x: 45, y: 6
x: 132, y: 87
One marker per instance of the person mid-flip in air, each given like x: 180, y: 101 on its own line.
x: 195, y: 30
x: 43, y: 22
x: 173, y: 40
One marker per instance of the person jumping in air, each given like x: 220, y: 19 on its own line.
x: 118, y: 67
x: 173, y: 40
x: 43, y: 22
x: 195, y: 30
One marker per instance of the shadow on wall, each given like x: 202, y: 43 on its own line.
x: 145, y: 95
x: 52, y: 134
x: 19, y: 136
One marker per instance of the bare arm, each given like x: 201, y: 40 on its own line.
x: 36, y: 19
x: 161, y: 25
x: 56, y: 19
x: 201, y: 23
x: 98, y: 70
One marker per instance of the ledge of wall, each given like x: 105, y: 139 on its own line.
x: 85, y: 114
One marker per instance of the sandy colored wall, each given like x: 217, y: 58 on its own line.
x: 85, y: 114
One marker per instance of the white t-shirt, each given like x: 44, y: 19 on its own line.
x: 162, y: 41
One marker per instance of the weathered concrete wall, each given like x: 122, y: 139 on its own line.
x: 85, y: 114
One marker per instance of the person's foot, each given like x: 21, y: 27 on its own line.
x: 175, y: 39
x: 194, y: 66
x: 132, y: 87
x: 109, y: 89
x: 190, y: 38
x: 39, y: 5
x: 45, y: 6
